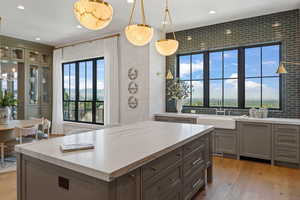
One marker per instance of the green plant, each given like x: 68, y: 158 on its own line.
x: 7, y: 99
x: 178, y: 90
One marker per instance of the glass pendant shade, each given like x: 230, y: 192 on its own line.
x: 93, y: 14
x: 281, y: 69
x: 169, y: 75
x: 139, y: 34
x: 166, y: 47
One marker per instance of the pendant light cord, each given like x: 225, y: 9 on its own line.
x: 142, y: 11
x: 167, y: 15
x: 132, y: 11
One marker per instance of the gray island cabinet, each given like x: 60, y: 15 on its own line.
x: 143, y: 161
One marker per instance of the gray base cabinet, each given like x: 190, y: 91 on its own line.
x: 177, y: 175
x: 225, y: 142
x: 286, y: 143
x: 255, y: 140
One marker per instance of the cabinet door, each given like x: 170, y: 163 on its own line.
x: 33, y: 85
x: 45, y: 85
x: 256, y: 140
x: 128, y: 186
x: 225, y: 143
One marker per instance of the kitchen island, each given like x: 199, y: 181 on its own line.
x: 143, y: 161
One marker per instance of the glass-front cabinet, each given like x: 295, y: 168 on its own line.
x: 25, y: 71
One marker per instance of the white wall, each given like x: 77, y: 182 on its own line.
x: 151, y: 93
x: 157, y: 84
x: 138, y: 58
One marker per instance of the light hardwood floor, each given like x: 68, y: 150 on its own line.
x: 233, y: 180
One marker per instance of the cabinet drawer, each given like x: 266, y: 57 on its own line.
x: 286, y: 139
x: 167, y: 184
x: 286, y: 129
x: 157, y: 166
x: 176, y: 119
x: 192, y: 146
x: 192, y: 185
x: 194, y: 161
x: 287, y: 154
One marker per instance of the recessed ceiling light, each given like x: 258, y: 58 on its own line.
x: 21, y: 7
x: 130, y: 1
x: 78, y: 26
x: 37, y: 39
x: 212, y: 12
x: 189, y: 38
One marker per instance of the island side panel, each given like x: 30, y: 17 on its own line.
x: 41, y: 180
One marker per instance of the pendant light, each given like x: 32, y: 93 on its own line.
x: 138, y: 34
x: 166, y: 47
x: 93, y: 14
x: 169, y: 75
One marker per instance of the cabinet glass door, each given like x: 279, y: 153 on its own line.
x: 33, y: 84
x: 17, y: 54
x: 33, y: 57
x: 45, y: 85
x: 9, y: 80
x: 4, y: 53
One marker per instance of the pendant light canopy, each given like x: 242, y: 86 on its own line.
x: 138, y: 34
x: 167, y: 47
x: 93, y: 14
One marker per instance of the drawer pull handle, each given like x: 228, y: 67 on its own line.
x: 197, y: 183
x: 199, y: 160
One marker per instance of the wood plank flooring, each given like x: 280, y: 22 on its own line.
x: 233, y: 180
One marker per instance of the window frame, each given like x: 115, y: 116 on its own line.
x: 191, y: 80
x: 77, y: 100
x: 241, y: 74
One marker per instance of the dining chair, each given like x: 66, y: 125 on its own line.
x: 24, y: 132
x: 46, y: 126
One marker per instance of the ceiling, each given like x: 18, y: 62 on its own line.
x: 54, y: 23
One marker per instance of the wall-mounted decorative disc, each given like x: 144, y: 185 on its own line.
x: 133, y: 87
x: 132, y: 102
x: 132, y: 74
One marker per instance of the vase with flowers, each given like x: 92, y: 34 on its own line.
x: 178, y: 91
x: 7, y: 101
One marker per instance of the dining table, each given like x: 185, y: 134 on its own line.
x: 7, y: 131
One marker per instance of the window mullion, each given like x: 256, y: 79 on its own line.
x: 206, y: 80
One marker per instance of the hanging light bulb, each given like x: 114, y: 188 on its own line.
x: 167, y: 47
x: 93, y: 14
x: 138, y: 34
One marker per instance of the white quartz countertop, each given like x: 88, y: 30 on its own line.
x: 289, y: 121
x: 229, y: 122
x: 118, y: 150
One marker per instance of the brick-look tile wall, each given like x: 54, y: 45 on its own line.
x: 245, y: 32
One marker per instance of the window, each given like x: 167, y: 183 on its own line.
x: 243, y: 77
x: 261, y: 81
x: 223, y: 78
x: 83, y: 89
x: 191, y: 71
